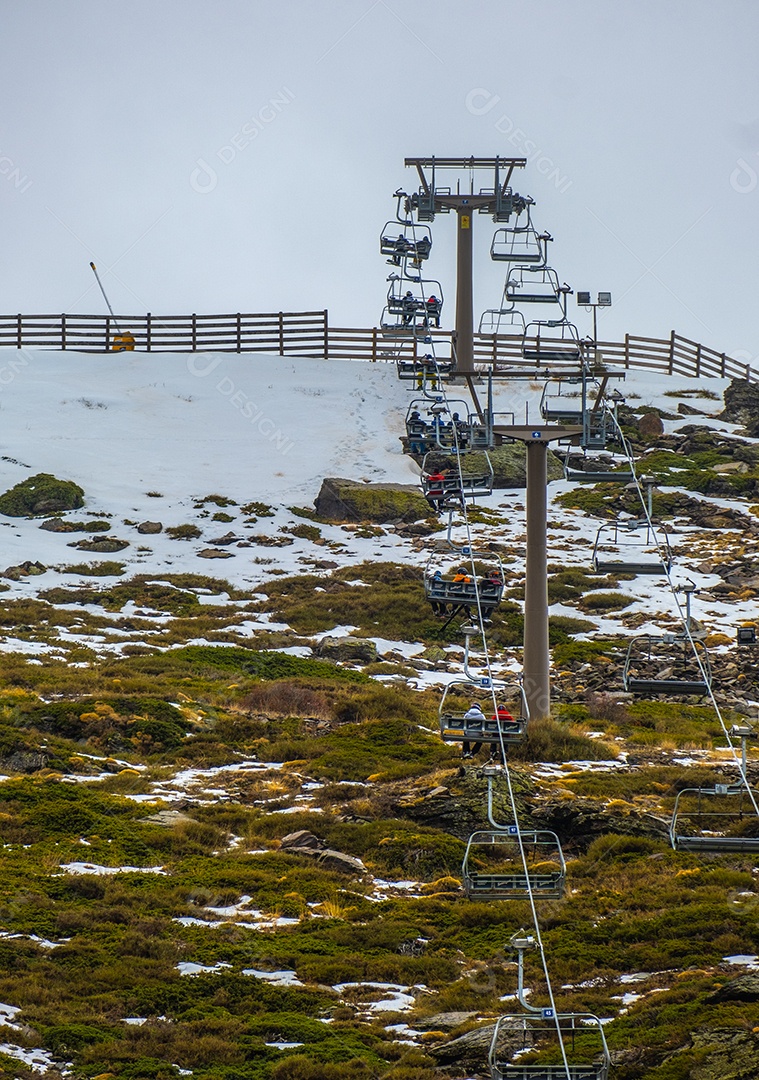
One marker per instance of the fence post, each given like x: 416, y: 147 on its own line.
x: 627, y: 351
x: 149, y: 332
x: 698, y: 359
x: 281, y: 334
x: 671, y: 351
x: 19, y: 336
x: 194, y: 332
x: 326, y: 335
x: 374, y: 344
x: 239, y: 332
x: 108, y: 333
x: 723, y: 358
x: 63, y: 333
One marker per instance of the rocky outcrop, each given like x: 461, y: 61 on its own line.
x: 348, y: 648
x: 471, y: 1048
x: 744, y: 988
x: 103, y: 545
x: 304, y: 842
x: 580, y: 821
x: 24, y: 569
x: 350, y: 500
x: 742, y: 406
x: 24, y: 761
x: 214, y: 553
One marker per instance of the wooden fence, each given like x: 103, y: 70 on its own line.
x: 308, y: 334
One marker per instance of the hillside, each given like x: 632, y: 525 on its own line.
x: 233, y: 836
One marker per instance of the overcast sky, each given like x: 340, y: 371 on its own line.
x: 241, y: 155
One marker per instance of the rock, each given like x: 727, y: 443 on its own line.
x: 350, y: 500
x: 688, y: 410
x: 347, y: 648
x: 302, y: 839
x: 439, y: 792
x: 167, y: 818
x: 580, y: 821
x: 24, y: 761
x: 214, y: 553
x: 733, y: 1054
x: 650, y: 425
x: 742, y: 406
x: 731, y: 467
x: 442, y: 1021
x: 104, y: 544
x: 472, y: 1047
x: 149, y: 527
x: 24, y: 569
x: 41, y: 494
x: 336, y: 860
x: 744, y: 988
x: 228, y: 538
x: 59, y: 525
x: 509, y: 465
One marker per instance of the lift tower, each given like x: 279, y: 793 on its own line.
x: 498, y: 200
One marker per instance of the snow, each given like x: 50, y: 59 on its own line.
x: 94, y: 868
x: 276, y: 978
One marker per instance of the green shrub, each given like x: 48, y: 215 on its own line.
x: 183, y: 532
x: 601, y: 602
x: 41, y: 494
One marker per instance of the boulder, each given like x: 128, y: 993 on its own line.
x: 24, y: 569
x: 214, y: 553
x: 443, y: 1021
x: 744, y: 988
x: 149, y: 527
x: 742, y: 406
x: 650, y: 425
x: 347, y: 648
x: 688, y: 410
x: 580, y: 821
x: 41, y: 494
x: 351, y: 500
x: 336, y: 860
x: 24, y: 761
x: 301, y: 839
x: 104, y: 544
x: 227, y: 538
x: 470, y: 1048
x: 59, y: 525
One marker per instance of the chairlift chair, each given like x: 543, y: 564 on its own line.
x: 718, y: 819
x: 534, y: 285
x: 453, y: 485
x: 521, y: 1040
x: 421, y: 305
x: 405, y: 240
x: 434, y: 430
x: 667, y: 664
x: 631, y: 547
x: 559, y: 406
x: 521, y: 244
x: 506, y: 721
x: 452, y: 597
x: 502, y: 320
x: 552, y: 340
x: 493, y: 868
x: 598, y: 476
x: 423, y: 369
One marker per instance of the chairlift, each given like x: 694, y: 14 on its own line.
x: 597, y: 475
x: 405, y: 240
x: 423, y: 370
x: 505, y: 721
x: 452, y: 588
x: 493, y: 868
x: 631, y: 547
x: 521, y: 244
x: 559, y: 404
x: 527, y: 1046
x: 534, y: 285
x: 722, y: 818
x: 667, y: 664
x: 434, y: 429
x: 449, y: 485
x: 502, y: 320
x: 549, y: 340
x: 420, y: 306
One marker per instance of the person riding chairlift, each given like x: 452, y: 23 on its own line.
x: 473, y: 717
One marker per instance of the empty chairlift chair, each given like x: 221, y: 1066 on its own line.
x: 534, y: 285
x: 667, y: 664
x: 591, y: 473
x: 493, y: 868
x: 722, y: 818
x: 520, y: 243
x: 526, y: 1046
x: 552, y: 341
x: 631, y: 547
x: 503, y: 722
x: 561, y: 400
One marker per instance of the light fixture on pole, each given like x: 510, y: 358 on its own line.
x: 604, y: 300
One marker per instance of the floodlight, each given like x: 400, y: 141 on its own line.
x: 583, y: 299
x: 604, y: 299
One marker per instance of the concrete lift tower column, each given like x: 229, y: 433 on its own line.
x: 498, y: 200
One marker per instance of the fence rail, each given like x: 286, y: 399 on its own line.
x: 309, y: 334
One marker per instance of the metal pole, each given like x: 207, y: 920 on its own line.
x: 100, y: 283
x: 464, y: 301
x: 536, y: 680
